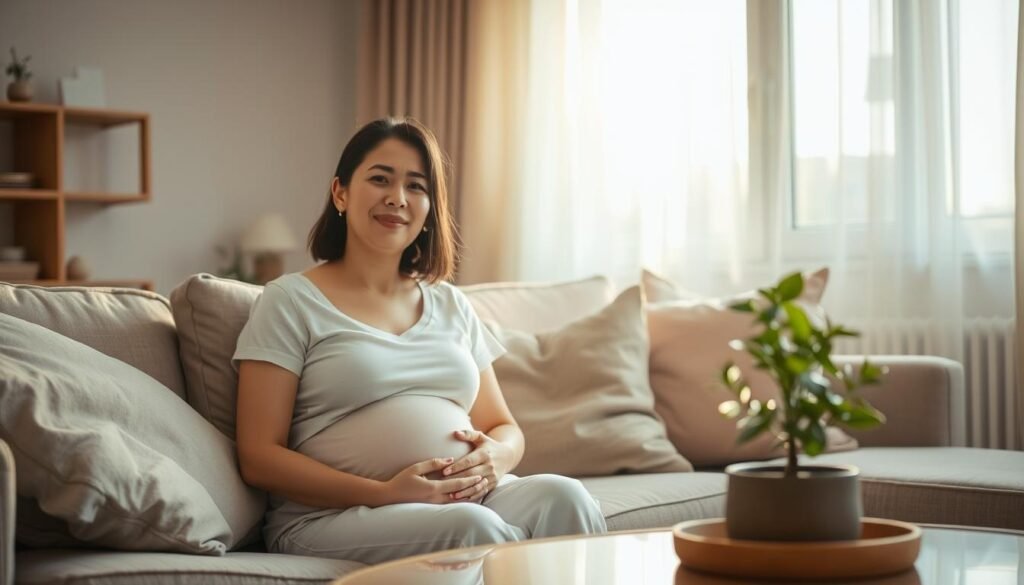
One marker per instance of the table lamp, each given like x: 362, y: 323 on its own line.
x: 267, y: 239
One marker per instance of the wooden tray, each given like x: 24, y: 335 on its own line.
x: 885, y: 547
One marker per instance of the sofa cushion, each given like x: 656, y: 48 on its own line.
x: 582, y: 397
x: 114, y: 454
x: 689, y: 346
x: 940, y: 485
x: 210, y: 313
x: 657, y: 500
x: 537, y: 307
x: 131, y: 325
x: 41, y: 567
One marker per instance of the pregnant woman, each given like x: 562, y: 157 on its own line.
x: 367, y: 404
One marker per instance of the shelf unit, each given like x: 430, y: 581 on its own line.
x: 38, y: 140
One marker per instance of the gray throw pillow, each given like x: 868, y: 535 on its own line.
x: 114, y: 454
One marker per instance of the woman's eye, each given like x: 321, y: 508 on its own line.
x: 418, y: 187
x: 379, y: 179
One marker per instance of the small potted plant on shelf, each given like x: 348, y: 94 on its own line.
x: 793, y: 344
x: 19, y: 90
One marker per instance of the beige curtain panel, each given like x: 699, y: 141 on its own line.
x: 412, y: 62
x: 458, y: 66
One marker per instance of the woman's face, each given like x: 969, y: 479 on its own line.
x: 386, y: 203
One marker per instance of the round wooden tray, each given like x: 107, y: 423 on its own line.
x: 885, y: 547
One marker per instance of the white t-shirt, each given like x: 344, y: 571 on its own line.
x: 369, y: 402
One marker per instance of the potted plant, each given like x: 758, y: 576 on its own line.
x: 793, y: 502
x: 19, y: 90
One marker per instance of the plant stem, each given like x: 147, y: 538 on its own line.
x: 791, y: 462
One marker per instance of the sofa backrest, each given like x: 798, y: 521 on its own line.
x: 134, y: 326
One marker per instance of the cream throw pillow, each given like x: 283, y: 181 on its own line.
x: 534, y: 307
x: 689, y: 345
x: 582, y: 397
x: 114, y: 454
x: 210, y: 313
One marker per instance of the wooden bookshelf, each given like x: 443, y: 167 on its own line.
x: 39, y: 213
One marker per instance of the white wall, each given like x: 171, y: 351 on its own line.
x: 250, y: 102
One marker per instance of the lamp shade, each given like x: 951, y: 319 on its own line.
x: 269, y: 233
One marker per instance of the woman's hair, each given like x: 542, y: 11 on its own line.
x: 433, y: 254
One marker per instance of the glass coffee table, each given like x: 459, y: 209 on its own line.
x: 949, y: 555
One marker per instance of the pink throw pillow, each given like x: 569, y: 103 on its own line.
x: 689, y: 345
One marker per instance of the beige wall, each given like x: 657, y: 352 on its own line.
x: 251, y: 102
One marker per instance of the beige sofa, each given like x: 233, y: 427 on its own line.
x: 913, y: 468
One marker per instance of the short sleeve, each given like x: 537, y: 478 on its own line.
x: 484, y: 346
x: 274, y: 332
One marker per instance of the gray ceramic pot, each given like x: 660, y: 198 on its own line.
x: 821, y: 503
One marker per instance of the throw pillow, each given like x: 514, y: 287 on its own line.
x: 134, y: 326
x: 536, y: 307
x: 210, y: 312
x: 582, y: 397
x: 114, y: 454
x: 689, y: 345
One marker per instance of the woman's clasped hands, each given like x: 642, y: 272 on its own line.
x: 467, y: 479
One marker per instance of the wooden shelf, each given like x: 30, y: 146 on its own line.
x: 10, y: 110
x: 102, y: 117
x: 38, y: 138
x: 45, y: 194
x: 99, y: 197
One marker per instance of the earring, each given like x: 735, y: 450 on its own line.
x: 341, y: 214
x: 426, y: 229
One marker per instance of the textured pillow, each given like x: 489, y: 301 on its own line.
x: 689, y: 345
x: 536, y: 307
x: 658, y: 289
x: 582, y: 397
x: 210, y: 313
x: 114, y: 454
x: 134, y: 326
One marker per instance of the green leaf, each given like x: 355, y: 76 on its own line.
x: 730, y: 409
x: 814, y: 439
x: 755, y: 424
x: 790, y: 287
x: 743, y: 307
x: 870, y: 373
x: 797, y: 364
x: 730, y: 374
x: 798, y: 322
x: 862, y: 417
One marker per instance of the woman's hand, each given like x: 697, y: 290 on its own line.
x: 410, y: 485
x: 489, y: 460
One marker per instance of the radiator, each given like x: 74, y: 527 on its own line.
x: 989, y: 360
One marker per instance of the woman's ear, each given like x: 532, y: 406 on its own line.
x: 339, y: 194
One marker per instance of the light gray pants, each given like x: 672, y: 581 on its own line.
x: 519, y: 508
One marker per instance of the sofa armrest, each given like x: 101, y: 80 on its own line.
x: 922, y: 398
x: 7, y: 495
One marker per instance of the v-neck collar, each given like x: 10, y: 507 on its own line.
x: 416, y: 327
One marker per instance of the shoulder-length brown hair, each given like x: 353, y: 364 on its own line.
x: 433, y: 254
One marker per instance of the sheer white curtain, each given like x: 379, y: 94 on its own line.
x: 902, y: 161
x: 725, y: 143
x: 636, y: 140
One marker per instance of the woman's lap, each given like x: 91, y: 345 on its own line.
x: 518, y: 508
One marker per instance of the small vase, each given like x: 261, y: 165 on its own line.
x: 822, y: 502
x: 19, y: 91
x: 77, y: 269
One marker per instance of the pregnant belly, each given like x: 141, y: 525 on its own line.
x: 383, y: 438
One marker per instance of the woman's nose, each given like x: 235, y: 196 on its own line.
x: 396, y: 198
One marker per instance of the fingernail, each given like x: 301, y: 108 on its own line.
x: 447, y: 470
